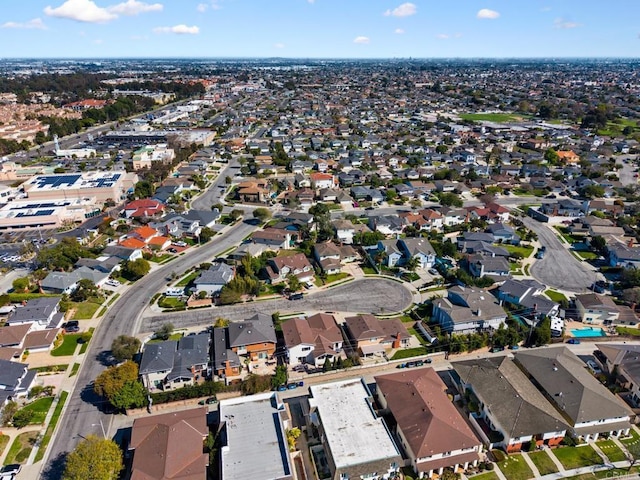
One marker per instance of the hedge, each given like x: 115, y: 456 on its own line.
x: 205, y: 389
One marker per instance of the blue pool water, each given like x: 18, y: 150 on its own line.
x: 587, y: 332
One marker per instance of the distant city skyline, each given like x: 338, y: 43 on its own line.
x: 319, y: 28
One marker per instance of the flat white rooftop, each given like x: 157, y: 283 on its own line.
x: 256, y: 444
x: 353, y: 432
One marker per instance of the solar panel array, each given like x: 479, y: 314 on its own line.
x: 55, y: 181
x: 107, y: 181
x: 39, y: 213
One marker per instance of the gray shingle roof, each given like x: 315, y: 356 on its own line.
x: 257, y: 329
x: 158, y: 357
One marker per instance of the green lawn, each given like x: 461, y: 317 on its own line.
x: 542, y: 461
x: 515, y: 468
x: 21, y: 448
x: 524, y: 250
x: 491, y: 117
x: 188, y: 279
x: 4, y: 441
x: 85, y: 310
x: 555, y: 296
x: 575, y: 457
x: 368, y: 271
x: 486, y: 476
x: 586, y: 255
x: 409, y: 352
x: 40, y: 408
x: 611, y: 450
x: 634, y: 332
x: 170, y: 302
x: 52, y: 426
x: 74, y: 369
x: 634, y: 436
x: 174, y: 336
x: 68, y: 345
x: 160, y: 258
x: 331, y: 279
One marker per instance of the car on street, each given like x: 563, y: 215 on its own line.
x: 296, y: 296
x: 208, y: 401
x: 497, y: 349
x: 574, y: 341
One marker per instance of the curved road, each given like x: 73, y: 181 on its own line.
x: 81, y: 415
x: 559, y: 268
x: 365, y: 295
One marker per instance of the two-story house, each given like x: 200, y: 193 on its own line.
x: 312, y: 340
x: 468, y: 310
x: 372, y: 336
x: 279, y: 268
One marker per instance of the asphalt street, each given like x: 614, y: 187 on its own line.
x: 81, y: 411
x: 559, y: 268
x: 365, y: 295
x: 216, y: 190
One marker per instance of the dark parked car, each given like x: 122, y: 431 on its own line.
x: 497, y: 349
x: 574, y: 341
x: 296, y: 296
x: 208, y: 401
x: 72, y: 326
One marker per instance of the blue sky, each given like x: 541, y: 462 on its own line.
x: 319, y: 28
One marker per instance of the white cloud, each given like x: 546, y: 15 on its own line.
x: 81, y: 11
x: 33, y: 24
x: 545, y: 9
x: 399, y: 31
x: 404, y: 10
x: 563, y: 24
x: 487, y: 14
x: 311, y: 1
x: 362, y: 40
x: 279, y: 45
x: 202, y: 7
x: 178, y: 29
x: 98, y: 41
x: 443, y: 36
x: 212, y: 4
x: 134, y: 7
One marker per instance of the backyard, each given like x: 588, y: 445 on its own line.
x: 543, y: 462
x: 514, y: 467
x: 575, y: 457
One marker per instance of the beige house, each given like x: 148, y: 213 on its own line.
x: 596, y: 309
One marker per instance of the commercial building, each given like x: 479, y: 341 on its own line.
x: 100, y: 186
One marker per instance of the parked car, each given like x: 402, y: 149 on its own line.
x: 593, y: 366
x: 172, y: 250
x: 208, y: 401
x: 497, y: 349
x: 514, y: 347
x: 282, y: 388
x: 574, y: 341
x: 72, y: 326
x: 292, y: 386
x: 10, y: 471
x: 296, y: 296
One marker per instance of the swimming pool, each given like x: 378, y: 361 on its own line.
x: 588, y: 332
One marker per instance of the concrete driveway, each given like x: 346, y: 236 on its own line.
x: 559, y: 268
x: 379, y: 296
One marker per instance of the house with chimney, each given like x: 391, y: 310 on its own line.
x: 279, y: 268
x: 468, y: 310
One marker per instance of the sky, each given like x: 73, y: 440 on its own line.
x: 319, y: 28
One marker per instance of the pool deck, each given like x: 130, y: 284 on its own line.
x: 568, y: 326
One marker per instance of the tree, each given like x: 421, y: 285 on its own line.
x: 22, y: 418
x: 593, y: 191
x: 551, y: 156
x: 450, y: 199
x: 131, y: 395
x: 109, y: 382
x: 280, y: 376
x: 292, y: 436
x: 294, y: 283
x: 236, y: 213
x: 599, y: 244
x: 85, y: 290
x: 21, y: 284
x: 322, y: 219
x: 221, y: 322
x: 135, y: 269
x: 94, y: 459
x: 412, y: 264
x: 8, y: 412
x: 124, y: 347
x: 542, y: 333
x: 144, y: 189
x: 261, y: 214
x: 206, y: 234
x: 164, y: 332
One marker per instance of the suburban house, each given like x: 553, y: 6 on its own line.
x: 372, y: 336
x: 468, y: 310
x: 279, y: 268
x: 503, y: 233
x: 596, y: 309
x: 42, y: 312
x: 527, y: 295
x: 345, y: 230
x: 273, y: 238
x: 624, y: 361
x: 253, y: 439
x: 143, y: 208
x: 356, y: 442
x: 623, y: 254
x: 168, y: 365
x: 430, y: 429
x: 588, y: 406
x: 495, y: 267
x: 508, y: 411
x: 214, y: 278
x: 15, y: 380
x: 328, y: 256
x: 254, y: 338
x: 312, y: 340
x: 420, y: 249
x: 170, y: 446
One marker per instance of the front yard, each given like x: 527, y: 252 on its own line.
x: 524, y: 250
x: 514, y: 467
x: 611, y: 450
x: 555, y: 296
x: 85, y: 310
x: 40, y: 408
x: 68, y: 345
x: 543, y: 462
x: 21, y: 448
x: 575, y: 457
